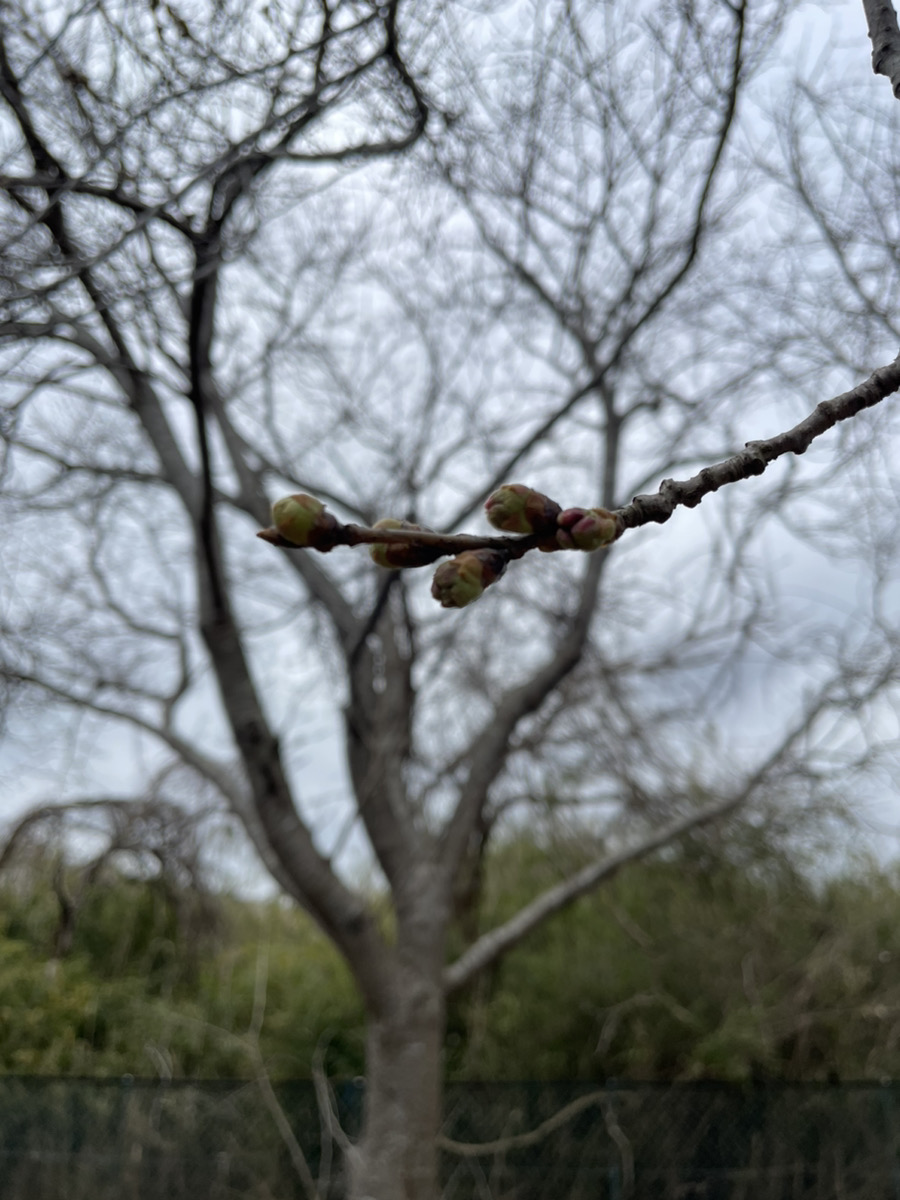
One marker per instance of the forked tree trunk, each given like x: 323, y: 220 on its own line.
x: 396, y: 1158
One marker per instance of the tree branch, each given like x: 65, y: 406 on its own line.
x: 493, y: 945
x: 647, y: 509
x: 521, y: 1141
x: 756, y: 456
x: 885, y: 37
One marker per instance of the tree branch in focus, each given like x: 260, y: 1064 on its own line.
x: 301, y: 521
x: 884, y: 34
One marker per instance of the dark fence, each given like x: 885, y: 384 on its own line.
x: 69, y: 1139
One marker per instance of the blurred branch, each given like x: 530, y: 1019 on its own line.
x: 521, y: 1141
x: 497, y: 942
x: 492, y: 945
x: 264, y: 1083
x: 219, y: 773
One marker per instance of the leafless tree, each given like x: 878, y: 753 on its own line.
x: 395, y: 256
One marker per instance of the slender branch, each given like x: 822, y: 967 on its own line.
x: 270, y: 1099
x: 494, y: 944
x: 55, y: 189
x: 659, y: 506
x: 217, y: 772
x: 521, y: 1141
x: 885, y: 37
x: 756, y: 456
x: 330, y: 1123
x: 441, y: 543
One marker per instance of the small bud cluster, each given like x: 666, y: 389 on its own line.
x: 514, y: 508
x: 586, y: 529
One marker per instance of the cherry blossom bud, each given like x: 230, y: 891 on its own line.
x: 462, y: 580
x: 303, y: 520
x: 586, y: 529
x: 515, y: 508
x: 400, y: 554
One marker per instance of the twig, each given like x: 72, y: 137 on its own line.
x: 332, y: 1131
x: 623, y: 1145
x: 441, y: 543
x: 491, y: 945
x: 283, y: 1125
x: 520, y: 1141
x: 756, y: 456
x: 264, y: 1083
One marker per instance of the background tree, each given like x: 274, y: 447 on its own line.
x: 396, y: 258
x: 730, y: 958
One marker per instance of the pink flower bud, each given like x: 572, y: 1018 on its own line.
x: 586, y: 529
x: 515, y: 508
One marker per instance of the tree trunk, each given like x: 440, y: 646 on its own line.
x: 396, y: 1157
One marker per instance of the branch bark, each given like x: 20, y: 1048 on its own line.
x: 756, y: 456
x: 884, y: 34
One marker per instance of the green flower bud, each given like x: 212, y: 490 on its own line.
x: 515, y: 508
x: 586, y: 529
x: 462, y: 580
x: 303, y: 520
x: 400, y: 554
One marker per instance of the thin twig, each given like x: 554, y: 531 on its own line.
x: 520, y: 1141
x: 332, y: 1130
x: 756, y: 456
x: 264, y: 1083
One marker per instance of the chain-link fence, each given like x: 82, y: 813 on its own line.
x: 141, y: 1140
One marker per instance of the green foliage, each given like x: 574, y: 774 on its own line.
x: 136, y: 997
x: 699, y: 964
x: 694, y: 965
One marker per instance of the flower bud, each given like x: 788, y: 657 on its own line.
x: 515, y: 508
x: 586, y: 529
x: 303, y: 520
x: 462, y: 580
x: 400, y: 554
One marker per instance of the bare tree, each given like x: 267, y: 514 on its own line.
x: 396, y: 256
